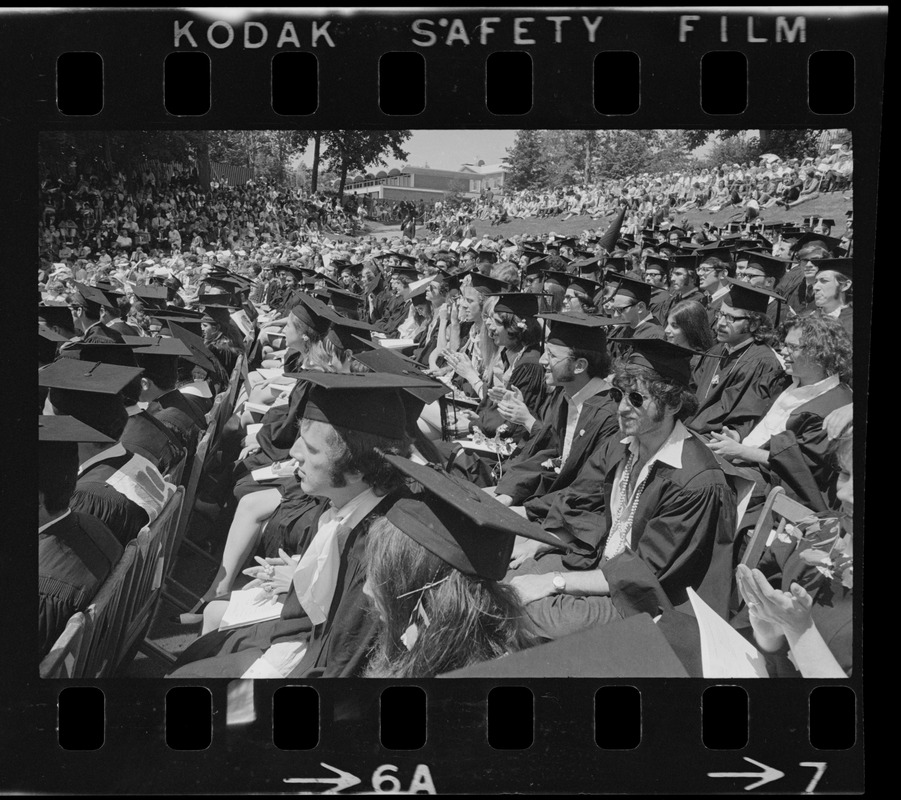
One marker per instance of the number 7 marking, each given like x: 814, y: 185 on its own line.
x: 820, y: 767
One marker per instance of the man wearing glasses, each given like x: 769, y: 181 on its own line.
x: 713, y: 274
x: 650, y: 514
x: 742, y: 375
x: 763, y: 271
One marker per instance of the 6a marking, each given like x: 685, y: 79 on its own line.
x: 384, y: 781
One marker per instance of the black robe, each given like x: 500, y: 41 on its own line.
x: 75, y: 555
x: 736, y: 391
x: 528, y: 482
x: 337, y: 648
x: 528, y: 377
x: 683, y: 529
x: 148, y: 436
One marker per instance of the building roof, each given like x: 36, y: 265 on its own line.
x: 485, y: 169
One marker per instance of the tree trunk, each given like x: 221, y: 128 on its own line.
x: 765, y: 139
x: 314, y: 180
x: 343, y: 178
x: 203, y: 165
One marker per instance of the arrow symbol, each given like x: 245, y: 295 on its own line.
x: 343, y: 781
x: 768, y: 774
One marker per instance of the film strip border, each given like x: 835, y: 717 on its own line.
x: 586, y: 736
x: 622, y: 68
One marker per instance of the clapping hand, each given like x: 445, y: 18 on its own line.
x: 513, y: 408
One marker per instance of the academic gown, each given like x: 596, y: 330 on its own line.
x: 684, y: 525
x: 182, y: 413
x: 147, y: 435
x: 659, y: 305
x: 737, y: 390
x: 93, y: 495
x: 75, y: 556
x: 377, y: 302
x: 794, y: 289
x: 800, y: 457
x: 337, y: 648
x: 530, y: 483
x: 846, y: 318
x: 393, y: 314
x: 694, y: 294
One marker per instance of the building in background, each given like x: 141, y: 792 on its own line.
x: 424, y: 183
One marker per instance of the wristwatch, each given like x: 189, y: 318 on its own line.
x: 559, y: 583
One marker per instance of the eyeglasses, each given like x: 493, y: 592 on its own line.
x: 617, y: 309
x: 636, y: 399
x: 793, y: 348
x: 744, y: 273
x: 730, y: 318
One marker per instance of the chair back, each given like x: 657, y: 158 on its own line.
x: 139, y: 599
x: 106, y: 618
x: 177, y: 471
x: 778, y: 510
x: 63, y: 660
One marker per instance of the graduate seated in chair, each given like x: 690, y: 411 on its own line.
x: 789, y: 447
x: 76, y: 551
x: 581, y: 420
x: 658, y: 493
x: 434, y: 565
x: 348, y: 424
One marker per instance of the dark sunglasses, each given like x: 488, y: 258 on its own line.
x: 636, y: 399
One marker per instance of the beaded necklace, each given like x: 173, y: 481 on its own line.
x: 622, y: 528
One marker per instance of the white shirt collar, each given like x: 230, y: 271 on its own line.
x: 118, y: 449
x: 648, y: 318
x: 670, y: 451
x: 721, y: 292
x: 46, y: 525
x: 837, y: 313
x: 353, y: 511
x: 132, y: 410
x: 590, y: 389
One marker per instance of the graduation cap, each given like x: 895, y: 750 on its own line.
x: 62, y: 429
x: 588, y: 264
x: 311, y: 311
x: 555, y: 276
x: 638, y: 290
x: 380, y: 359
x: 486, y: 255
x: 533, y: 253
x: 745, y: 297
x: 535, y: 268
x: 615, y: 263
x: 344, y: 300
x: 116, y: 353
x: 87, y: 390
x: 459, y: 523
x: 346, y: 337
x: 416, y: 294
x: 90, y: 298
x: 684, y: 260
x: 152, y: 296
x: 485, y: 284
x: 721, y: 253
x: 843, y: 266
x: 410, y: 273
x: 201, y: 355
x: 520, y: 304
x: 829, y: 243
x: 168, y: 346
x: 59, y: 315
x: 586, y: 285
x: 772, y: 266
x: 666, y: 359
x: 366, y: 403
x: 578, y: 331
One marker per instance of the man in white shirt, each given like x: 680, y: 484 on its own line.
x: 831, y: 290
x: 657, y: 497
x: 349, y: 422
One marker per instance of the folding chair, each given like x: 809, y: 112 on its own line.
x: 106, y: 618
x: 184, y: 522
x: 780, y: 509
x: 154, y: 546
x: 63, y: 659
x: 176, y: 472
